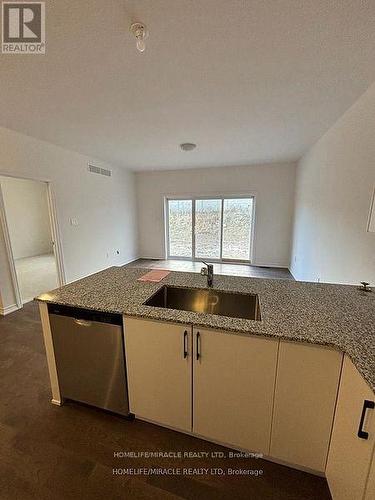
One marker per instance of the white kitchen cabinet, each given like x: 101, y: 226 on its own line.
x: 305, y: 396
x: 233, y: 385
x: 350, y: 454
x: 158, y: 359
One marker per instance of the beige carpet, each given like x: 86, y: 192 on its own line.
x: 36, y: 275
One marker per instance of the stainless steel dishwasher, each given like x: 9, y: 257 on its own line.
x: 90, y: 357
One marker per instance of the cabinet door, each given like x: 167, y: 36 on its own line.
x: 349, y: 455
x: 306, y: 390
x: 158, y: 359
x: 234, y: 378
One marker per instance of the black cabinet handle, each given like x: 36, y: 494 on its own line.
x: 367, y: 405
x: 198, y: 345
x: 185, y: 344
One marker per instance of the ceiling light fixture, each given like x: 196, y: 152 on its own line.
x: 140, y: 32
x: 188, y: 146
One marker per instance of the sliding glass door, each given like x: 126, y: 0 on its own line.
x: 217, y: 228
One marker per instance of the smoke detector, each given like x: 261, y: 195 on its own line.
x: 140, y: 32
x: 188, y: 146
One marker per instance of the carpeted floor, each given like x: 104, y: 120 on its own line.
x: 36, y: 275
x: 50, y: 452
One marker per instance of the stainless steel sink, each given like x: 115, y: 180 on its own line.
x: 234, y: 305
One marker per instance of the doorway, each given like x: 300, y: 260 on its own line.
x: 29, y: 234
x: 216, y: 228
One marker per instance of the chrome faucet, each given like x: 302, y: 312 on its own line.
x: 209, y: 272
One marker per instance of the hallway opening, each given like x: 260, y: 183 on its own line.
x: 28, y: 224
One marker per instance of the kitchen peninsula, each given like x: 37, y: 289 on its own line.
x: 280, y: 385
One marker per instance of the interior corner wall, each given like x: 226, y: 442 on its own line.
x: 103, y: 207
x: 272, y: 184
x: 334, y: 188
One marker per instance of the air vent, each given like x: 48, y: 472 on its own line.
x: 101, y: 171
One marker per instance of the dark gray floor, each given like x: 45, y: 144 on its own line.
x: 49, y: 452
x: 229, y: 269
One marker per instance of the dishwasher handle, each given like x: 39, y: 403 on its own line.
x: 86, y: 315
x: 82, y: 322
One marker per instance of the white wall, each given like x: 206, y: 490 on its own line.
x: 26, y: 208
x: 103, y: 206
x: 335, y: 182
x: 273, y: 186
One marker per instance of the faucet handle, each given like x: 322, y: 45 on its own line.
x: 208, y: 265
x: 364, y: 287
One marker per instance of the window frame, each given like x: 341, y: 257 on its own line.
x: 193, y: 199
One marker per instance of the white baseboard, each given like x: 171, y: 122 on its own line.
x: 129, y: 261
x: 8, y: 309
x: 260, y: 264
x: 153, y: 258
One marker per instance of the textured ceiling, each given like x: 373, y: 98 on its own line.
x: 248, y: 81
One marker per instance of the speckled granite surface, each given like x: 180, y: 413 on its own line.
x: 335, y: 315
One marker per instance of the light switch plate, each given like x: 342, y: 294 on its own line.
x: 73, y: 221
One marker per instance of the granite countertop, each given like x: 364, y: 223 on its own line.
x: 339, y: 316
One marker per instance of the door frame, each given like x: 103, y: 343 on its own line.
x: 55, y: 234
x: 208, y: 197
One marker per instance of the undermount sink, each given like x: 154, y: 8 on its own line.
x: 207, y: 300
